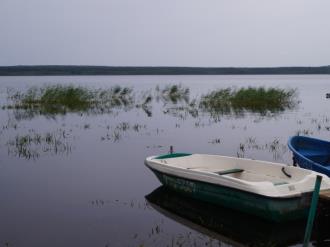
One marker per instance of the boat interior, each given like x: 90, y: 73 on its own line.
x: 243, y: 169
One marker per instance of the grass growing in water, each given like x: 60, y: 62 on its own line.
x: 174, y: 94
x: 68, y: 98
x: 261, y: 100
x: 176, y: 99
x: 32, y: 144
x: 60, y: 99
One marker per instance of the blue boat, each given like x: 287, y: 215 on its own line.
x: 311, y: 153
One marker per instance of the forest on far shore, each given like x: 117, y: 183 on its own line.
x: 39, y: 70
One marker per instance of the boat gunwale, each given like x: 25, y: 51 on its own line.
x: 215, y: 175
x: 241, y: 181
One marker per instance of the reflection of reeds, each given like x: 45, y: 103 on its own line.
x: 275, y: 147
x: 146, y: 105
x: 118, y: 131
x: 216, y: 141
x: 259, y: 100
x: 32, y: 145
x: 305, y: 132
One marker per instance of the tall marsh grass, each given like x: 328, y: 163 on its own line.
x: 60, y: 99
x: 260, y: 100
x: 68, y: 98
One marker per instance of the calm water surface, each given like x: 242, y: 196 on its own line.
x: 89, y: 186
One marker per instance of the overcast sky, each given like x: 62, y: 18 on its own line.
x: 165, y: 32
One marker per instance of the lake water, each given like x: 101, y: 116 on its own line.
x: 81, y: 181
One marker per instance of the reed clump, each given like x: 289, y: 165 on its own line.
x: 259, y: 100
x: 62, y: 99
x: 69, y: 98
x: 174, y: 94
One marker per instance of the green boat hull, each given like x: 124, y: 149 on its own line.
x: 273, y: 209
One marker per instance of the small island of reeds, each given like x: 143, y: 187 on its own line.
x: 250, y: 99
x: 62, y: 99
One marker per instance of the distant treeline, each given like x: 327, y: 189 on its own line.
x: 113, y: 70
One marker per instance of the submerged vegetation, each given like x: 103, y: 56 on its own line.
x: 62, y: 99
x: 32, y: 145
x: 116, y: 133
x: 275, y: 147
x: 260, y: 100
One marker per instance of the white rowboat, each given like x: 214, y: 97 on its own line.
x: 270, y: 190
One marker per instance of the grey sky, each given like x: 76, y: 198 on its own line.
x: 165, y: 32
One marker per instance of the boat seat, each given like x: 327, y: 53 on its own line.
x: 229, y: 171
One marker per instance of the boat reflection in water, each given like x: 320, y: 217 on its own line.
x: 230, y: 226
